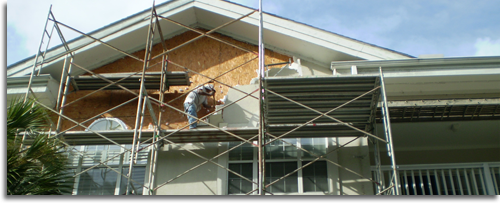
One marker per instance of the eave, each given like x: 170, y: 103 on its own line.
x: 281, y: 35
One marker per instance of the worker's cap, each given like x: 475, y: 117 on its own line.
x: 208, y: 88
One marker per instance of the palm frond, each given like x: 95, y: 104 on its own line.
x: 25, y: 116
x: 38, y: 169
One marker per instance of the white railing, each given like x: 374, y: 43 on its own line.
x: 442, y: 179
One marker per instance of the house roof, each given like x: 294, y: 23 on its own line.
x: 280, y: 34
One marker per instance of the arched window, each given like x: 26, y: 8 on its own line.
x: 108, y: 124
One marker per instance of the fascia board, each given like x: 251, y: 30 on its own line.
x: 417, y: 61
x: 318, y: 37
x: 320, y: 42
x: 426, y: 67
x: 254, y: 20
x: 23, y: 80
x: 462, y: 72
x: 334, y: 41
x: 301, y: 31
x: 105, y: 34
x: 229, y: 10
x: 273, y: 24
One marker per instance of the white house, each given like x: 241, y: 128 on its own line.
x: 321, y: 117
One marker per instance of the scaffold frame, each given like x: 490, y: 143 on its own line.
x: 153, y: 141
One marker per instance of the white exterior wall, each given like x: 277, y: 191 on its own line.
x: 306, y: 69
x: 210, y: 179
x: 311, y: 69
x: 45, y: 91
x: 174, y: 160
x: 354, y: 156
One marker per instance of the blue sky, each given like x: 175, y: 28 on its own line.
x: 414, y: 27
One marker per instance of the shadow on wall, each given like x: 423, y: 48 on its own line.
x: 199, y: 181
x: 244, y: 112
x: 284, y: 71
x: 356, y: 157
x: 240, y: 117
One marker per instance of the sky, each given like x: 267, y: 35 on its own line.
x: 414, y: 27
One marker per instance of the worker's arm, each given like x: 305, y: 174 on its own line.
x: 205, y: 104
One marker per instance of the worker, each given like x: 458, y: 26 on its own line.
x: 195, y: 99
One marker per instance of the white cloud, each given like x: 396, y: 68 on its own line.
x: 487, y: 47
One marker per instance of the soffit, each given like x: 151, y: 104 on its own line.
x: 437, y: 78
x: 281, y: 35
x: 444, y: 135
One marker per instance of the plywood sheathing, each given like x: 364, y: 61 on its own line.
x: 205, y: 55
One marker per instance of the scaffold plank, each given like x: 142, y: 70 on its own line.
x: 183, y: 136
x: 132, y: 81
x: 321, y: 94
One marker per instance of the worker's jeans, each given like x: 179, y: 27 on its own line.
x: 191, y: 109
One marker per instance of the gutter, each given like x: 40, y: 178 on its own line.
x: 455, y: 61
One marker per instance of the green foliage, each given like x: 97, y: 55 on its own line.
x: 21, y: 116
x: 37, y: 169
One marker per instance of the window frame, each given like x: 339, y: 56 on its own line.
x: 80, y: 166
x: 115, y: 120
x: 299, y: 160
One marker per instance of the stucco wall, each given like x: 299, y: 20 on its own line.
x: 175, y: 160
x: 355, y: 157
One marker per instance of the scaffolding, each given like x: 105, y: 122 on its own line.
x: 342, y: 107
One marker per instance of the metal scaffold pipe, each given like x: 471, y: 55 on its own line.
x: 141, y: 101
x: 388, y: 134
x: 261, y: 111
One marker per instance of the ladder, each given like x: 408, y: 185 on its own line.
x: 41, y: 54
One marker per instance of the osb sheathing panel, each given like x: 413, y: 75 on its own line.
x: 206, y: 56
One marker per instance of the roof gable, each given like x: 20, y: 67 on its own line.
x: 281, y: 35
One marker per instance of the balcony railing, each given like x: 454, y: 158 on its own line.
x: 441, y: 179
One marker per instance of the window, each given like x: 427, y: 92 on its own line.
x: 281, y: 159
x: 108, y: 124
x: 276, y: 170
x: 315, y: 177
x: 244, y: 152
x: 97, y: 181
x: 241, y: 162
x: 281, y: 150
x: 102, y: 180
x: 236, y: 184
